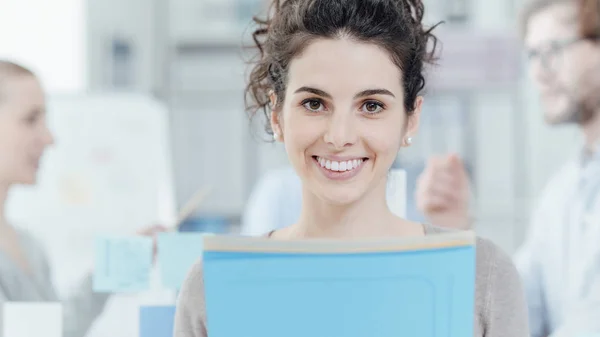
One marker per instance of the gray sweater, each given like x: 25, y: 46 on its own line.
x: 500, y: 309
x: 80, y: 310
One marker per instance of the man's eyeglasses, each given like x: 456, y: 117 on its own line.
x: 551, y: 55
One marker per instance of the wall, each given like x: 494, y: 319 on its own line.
x: 136, y: 22
x: 47, y: 37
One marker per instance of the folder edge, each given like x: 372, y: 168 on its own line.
x: 223, y: 243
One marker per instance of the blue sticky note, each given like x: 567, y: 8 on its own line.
x: 177, y: 253
x: 122, y: 264
x: 157, y: 321
x: 386, y: 293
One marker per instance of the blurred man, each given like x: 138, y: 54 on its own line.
x: 560, y: 260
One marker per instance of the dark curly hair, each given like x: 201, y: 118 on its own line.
x: 395, y: 25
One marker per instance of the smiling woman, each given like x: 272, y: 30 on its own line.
x: 340, y: 82
x: 344, y: 109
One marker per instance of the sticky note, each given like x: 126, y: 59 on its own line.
x: 122, y: 264
x: 157, y: 321
x: 27, y: 319
x: 177, y: 253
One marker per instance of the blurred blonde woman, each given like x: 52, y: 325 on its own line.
x: 24, y: 270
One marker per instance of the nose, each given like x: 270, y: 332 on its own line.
x: 341, y: 131
x: 539, y: 72
x: 47, y: 137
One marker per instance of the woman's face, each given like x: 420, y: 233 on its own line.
x: 23, y: 131
x: 343, y: 118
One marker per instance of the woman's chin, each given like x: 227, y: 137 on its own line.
x: 26, y: 179
x: 340, y: 196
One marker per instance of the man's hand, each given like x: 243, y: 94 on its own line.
x: 443, y: 192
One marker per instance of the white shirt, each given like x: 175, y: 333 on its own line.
x: 560, y: 260
x: 275, y: 202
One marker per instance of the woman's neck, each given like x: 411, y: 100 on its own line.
x: 367, y: 217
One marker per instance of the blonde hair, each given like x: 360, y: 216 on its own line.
x: 9, y: 70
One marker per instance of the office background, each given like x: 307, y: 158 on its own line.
x: 185, y: 57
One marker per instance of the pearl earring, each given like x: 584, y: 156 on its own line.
x: 408, y: 140
x: 275, y: 136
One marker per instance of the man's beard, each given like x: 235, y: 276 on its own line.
x: 579, y: 110
x: 578, y: 113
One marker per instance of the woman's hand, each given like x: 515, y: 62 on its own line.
x: 152, y: 232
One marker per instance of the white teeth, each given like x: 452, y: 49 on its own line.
x: 339, y: 166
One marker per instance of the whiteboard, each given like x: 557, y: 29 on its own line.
x: 108, y: 173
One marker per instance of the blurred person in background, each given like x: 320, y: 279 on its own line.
x: 560, y: 259
x: 25, y: 274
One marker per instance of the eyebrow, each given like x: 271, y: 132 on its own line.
x: 363, y: 93
x: 370, y: 92
x: 37, y: 111
x: 313, y: 91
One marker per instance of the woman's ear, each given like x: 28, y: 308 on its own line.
x: 275, y: 118
x: 412, y: 124
x: 273, y: 98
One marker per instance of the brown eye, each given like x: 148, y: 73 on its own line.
x: 313, y: 105
x: 372, y: 107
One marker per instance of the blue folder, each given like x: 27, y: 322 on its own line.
x: 157, y: 321
x: 421, y: 287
